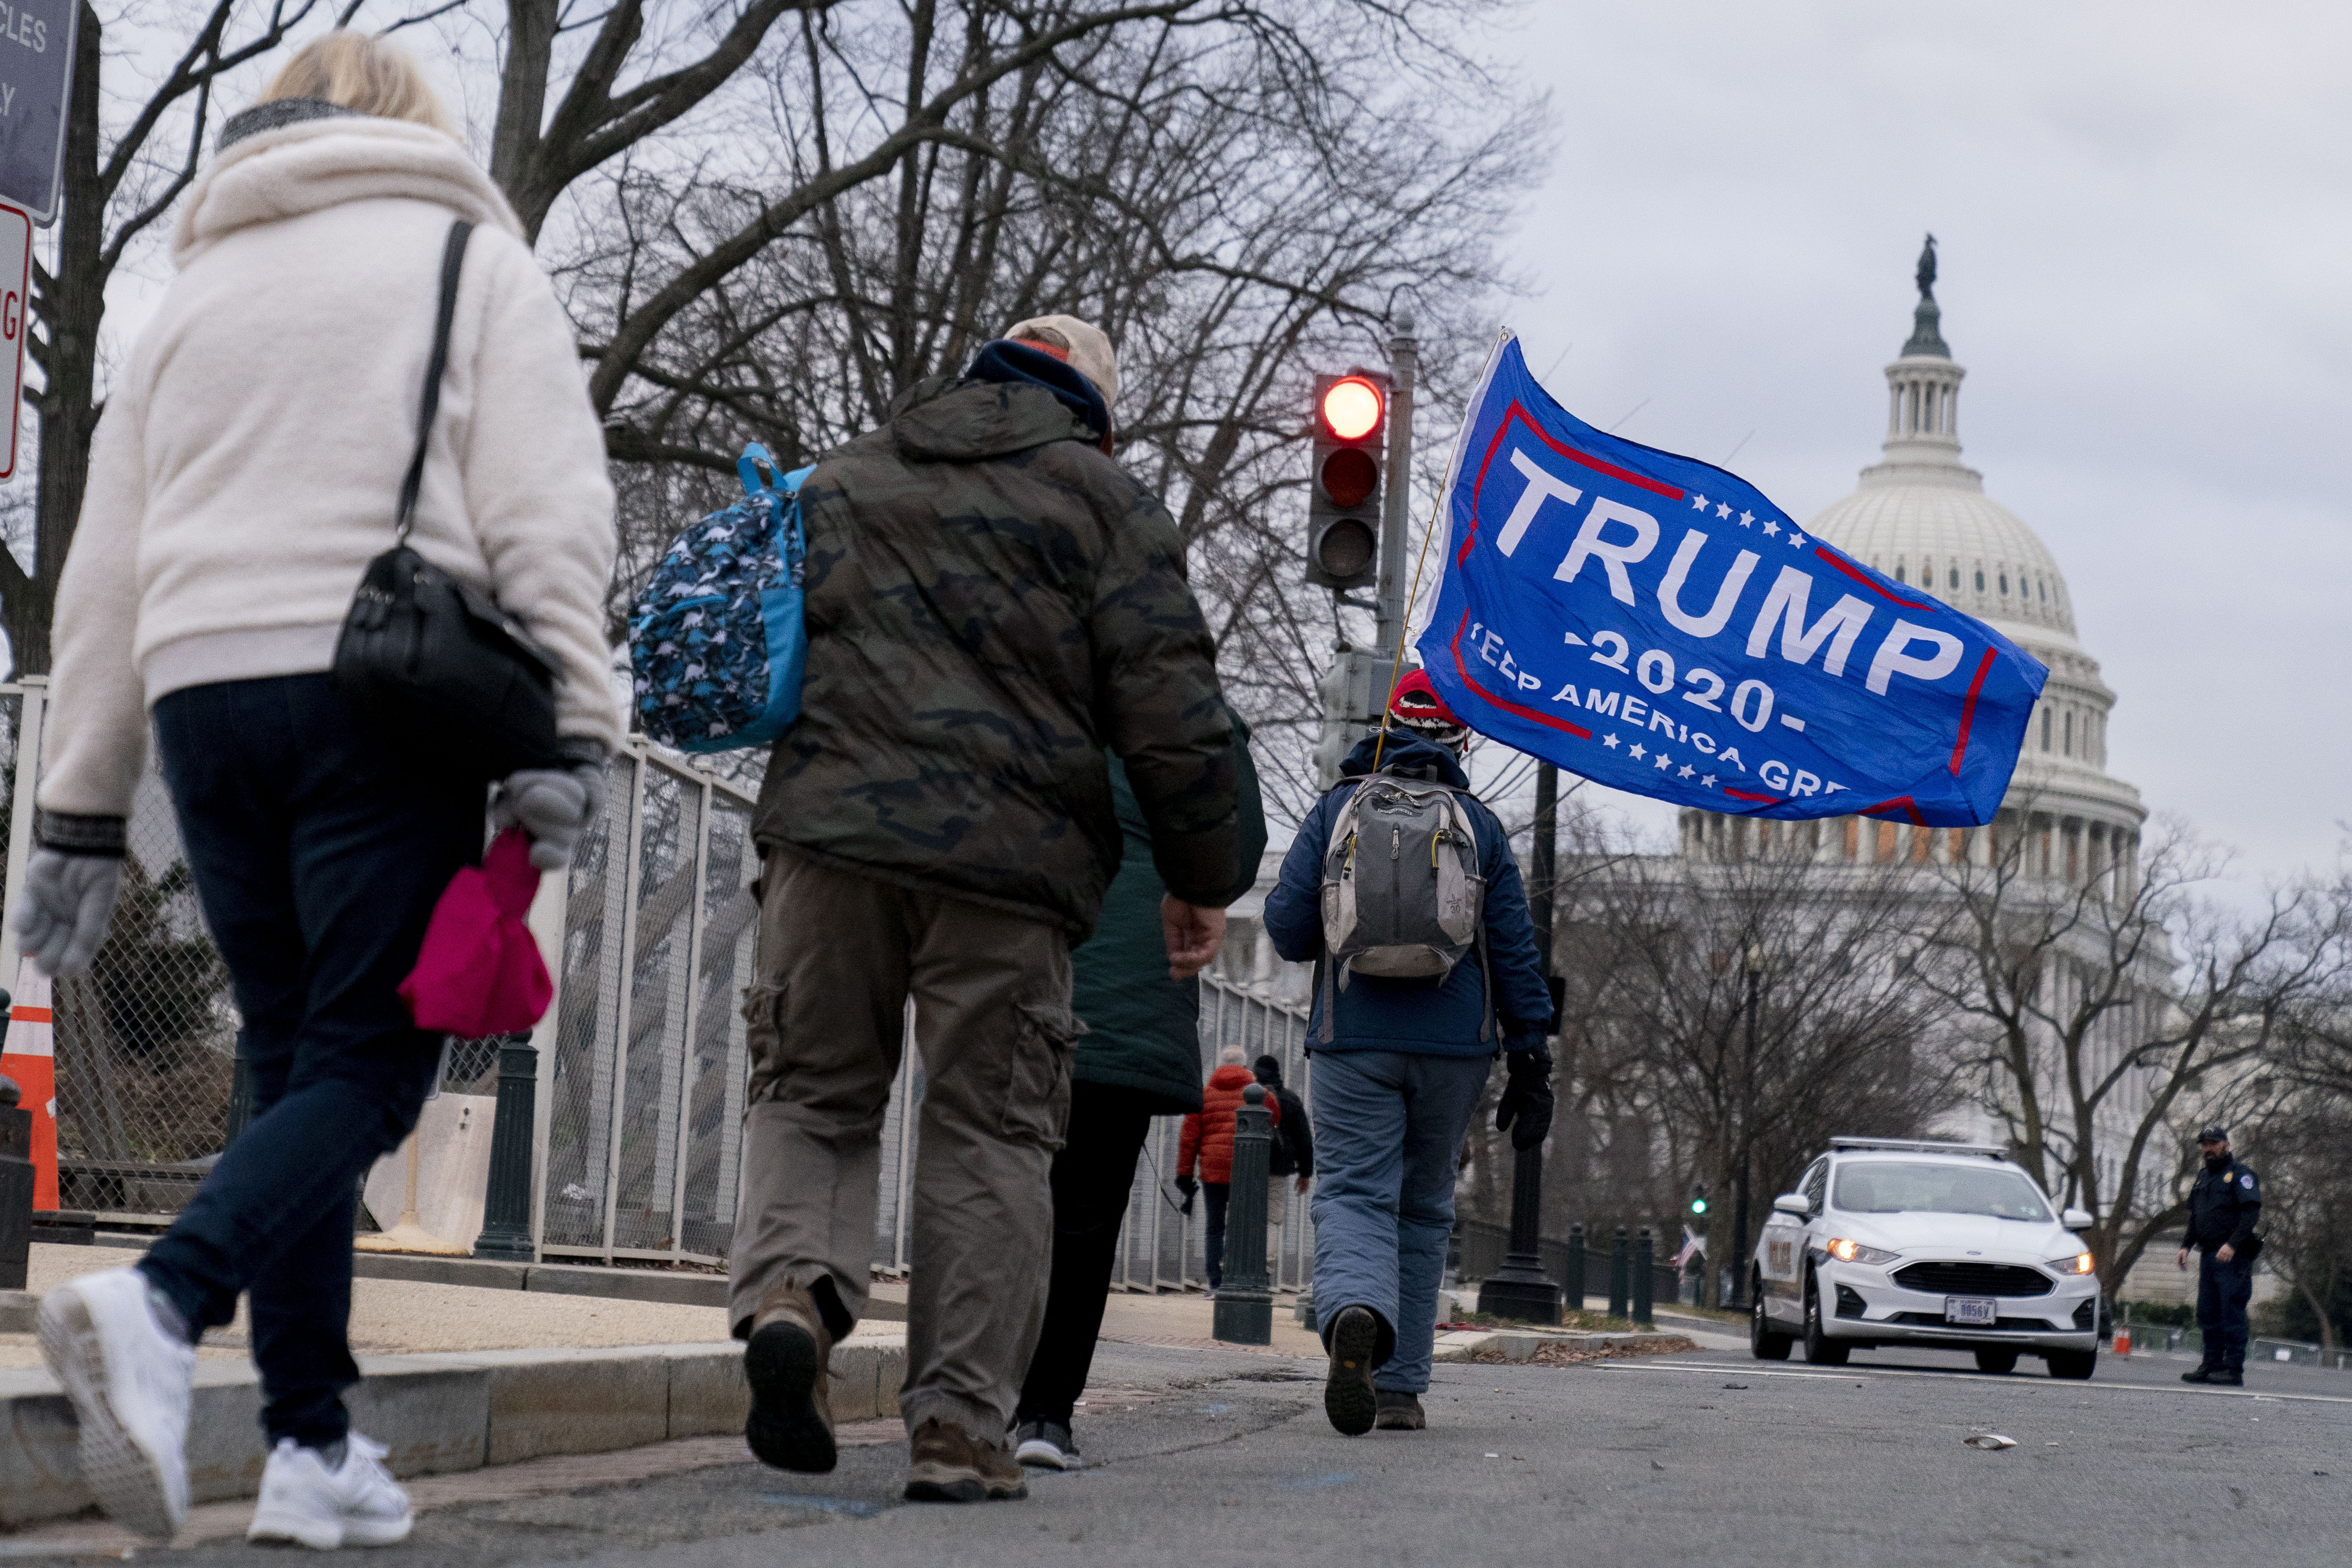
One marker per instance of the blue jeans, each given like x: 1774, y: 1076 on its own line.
x: 2222, y: 1293
x: 319, y: 850
x: 1388, y: 1138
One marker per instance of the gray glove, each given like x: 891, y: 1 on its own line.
x: 554, y: 806
x: 69, y: 900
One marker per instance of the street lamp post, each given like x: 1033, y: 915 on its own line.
x: 1520, y: 1289
x: 1755, y: 968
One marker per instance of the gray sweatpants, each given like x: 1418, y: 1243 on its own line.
x: 839, y: 956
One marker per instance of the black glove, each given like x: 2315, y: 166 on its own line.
x: 1525, y: 1111
x: 1188, y: 1184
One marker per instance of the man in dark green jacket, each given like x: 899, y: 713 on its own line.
x: 995, y: 611
x: 1141, y: 1059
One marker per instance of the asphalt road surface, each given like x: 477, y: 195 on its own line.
x: 1707, y: 1459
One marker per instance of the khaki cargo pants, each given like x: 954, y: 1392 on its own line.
x: 839, y: 956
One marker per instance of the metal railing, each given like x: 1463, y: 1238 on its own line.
x: 1161, y: 1249
x: 643, y: 1063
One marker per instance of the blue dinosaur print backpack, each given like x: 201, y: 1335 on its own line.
x: 716, y: 638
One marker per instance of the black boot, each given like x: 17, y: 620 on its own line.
x: 2227, y: 1375
x: 2202, y: 1374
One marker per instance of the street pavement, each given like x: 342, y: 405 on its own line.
x: 1212, y: 1457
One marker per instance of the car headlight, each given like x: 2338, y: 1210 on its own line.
x: 1846, y: 1251
x: 2078, y: 1264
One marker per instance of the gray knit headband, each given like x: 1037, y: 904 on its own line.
x: 278, y: 112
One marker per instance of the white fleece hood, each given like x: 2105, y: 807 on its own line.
x: 295, y: 169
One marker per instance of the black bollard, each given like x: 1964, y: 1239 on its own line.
x: 1645, y: 1280
x: 506, y: 1212
x: 1244, y: 1314
x: 16, y: 1187
x: 1520, y: 1290
x: 1617, y: 1282
x: 1571, y: 1288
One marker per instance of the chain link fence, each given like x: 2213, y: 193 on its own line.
x: 146, y: 1043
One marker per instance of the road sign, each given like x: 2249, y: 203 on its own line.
x: 36, y: 50
x: 16, y: 293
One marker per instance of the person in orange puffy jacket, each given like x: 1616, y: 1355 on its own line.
x: 1208, y: 1138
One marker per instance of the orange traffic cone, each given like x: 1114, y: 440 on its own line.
x: 29, y: 1055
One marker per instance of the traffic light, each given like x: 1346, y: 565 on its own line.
x: 1343, y: 491
x: 1698, y: 1203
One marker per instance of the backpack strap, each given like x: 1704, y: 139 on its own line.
x: 1486, y: 1024
x: 1323, y: 967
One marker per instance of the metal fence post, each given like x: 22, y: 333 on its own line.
x: 1244, y: 1314
x: 1645, y: 1278
x: 1617, y: 1282
x: 16, y: 1188
x: 30, y: 713
x: 1572, y: 1284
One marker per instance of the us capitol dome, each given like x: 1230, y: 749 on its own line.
x: 1922, y: 517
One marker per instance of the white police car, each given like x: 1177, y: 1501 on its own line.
x: 1901, y: 1242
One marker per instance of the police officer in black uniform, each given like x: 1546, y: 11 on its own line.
x: 2222, y: 1208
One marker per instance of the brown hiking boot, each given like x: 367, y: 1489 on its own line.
x: 947, y: 1463
x: 792, y: 1418
x: 1399, y: 1412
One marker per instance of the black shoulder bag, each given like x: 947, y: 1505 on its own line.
x: 431, y: 661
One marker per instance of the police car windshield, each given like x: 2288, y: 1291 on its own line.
x: 1888, y: 1187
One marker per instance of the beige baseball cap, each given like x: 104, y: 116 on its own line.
x: 1084, y: 347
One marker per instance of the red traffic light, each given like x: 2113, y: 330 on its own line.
x: 1351, y: 408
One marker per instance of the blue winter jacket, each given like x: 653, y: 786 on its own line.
x: 1417, y: 1016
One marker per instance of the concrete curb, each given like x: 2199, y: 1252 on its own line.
x: 1462, y: 1344
x: 659, y: 1285
x: 441, y: 1413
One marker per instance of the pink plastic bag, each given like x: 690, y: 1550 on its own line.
x: 480, y: 972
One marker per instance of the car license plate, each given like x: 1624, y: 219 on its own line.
x: 1983, y: 1311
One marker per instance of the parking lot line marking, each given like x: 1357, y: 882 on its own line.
x: 2060, y: 1385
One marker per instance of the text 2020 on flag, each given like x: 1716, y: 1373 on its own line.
x: 1657, y: 625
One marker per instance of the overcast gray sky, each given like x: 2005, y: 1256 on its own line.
x: 2144, y: 213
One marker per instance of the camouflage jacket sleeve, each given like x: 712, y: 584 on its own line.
x: 1157, y: 705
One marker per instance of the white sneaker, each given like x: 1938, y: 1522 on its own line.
x: 303, y: 1500
x: 130, y: 1380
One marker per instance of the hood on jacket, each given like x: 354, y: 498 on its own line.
x: 1232, y: 1075
x: 1407, y: 755
x: 1012, y: 363
x: 309, y: 164
x: 973, y: 421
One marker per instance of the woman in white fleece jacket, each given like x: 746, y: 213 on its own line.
x: 247, y: 468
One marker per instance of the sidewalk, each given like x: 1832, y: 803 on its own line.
x: 458, y: 1378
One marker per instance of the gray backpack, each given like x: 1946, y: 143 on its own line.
x: 1402, y: 894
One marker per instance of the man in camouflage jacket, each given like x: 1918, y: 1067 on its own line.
x: 991, y: 603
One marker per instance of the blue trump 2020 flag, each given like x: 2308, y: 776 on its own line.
x: 1657, y: 625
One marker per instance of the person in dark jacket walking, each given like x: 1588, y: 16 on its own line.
x: 1397, y: 1079
x: 1292, y: 1155
x: 995, y: 609
x: 1140, y: 1057
x: 2224, y: 1204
